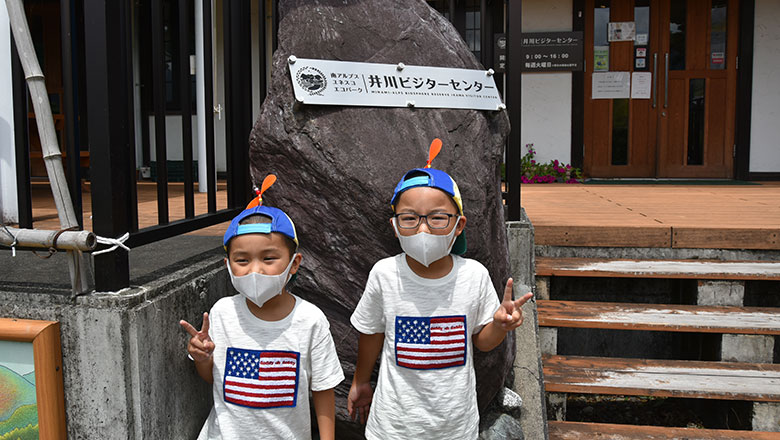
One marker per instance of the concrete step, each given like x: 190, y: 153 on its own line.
x: 606, y: 431
x: 659, y: 317
x: 689, y: 269
x: 662, y: 378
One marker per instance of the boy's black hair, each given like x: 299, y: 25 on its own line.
x: 262, y: 219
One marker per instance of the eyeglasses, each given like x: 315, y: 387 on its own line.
x: 437, y: 220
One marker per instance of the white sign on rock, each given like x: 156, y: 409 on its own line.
x: 327, y: 82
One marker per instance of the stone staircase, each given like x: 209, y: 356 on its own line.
x: 727, y: 354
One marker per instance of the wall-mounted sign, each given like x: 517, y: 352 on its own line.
x: 622, y: 31
x: 611, y: 85
x: 600, y: 58
x: 551, y: 52
x: 641, y: 84
x: 327, y: 82
x: 499, y: 53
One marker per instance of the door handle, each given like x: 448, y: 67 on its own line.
x: 666, y: 80
x: 655, y: 78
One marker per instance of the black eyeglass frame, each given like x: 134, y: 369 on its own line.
x: 421, y: 217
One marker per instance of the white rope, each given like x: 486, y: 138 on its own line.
x: 115, y: 242
x: 13, y: 245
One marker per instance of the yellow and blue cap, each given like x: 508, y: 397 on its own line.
x: 433, y: 178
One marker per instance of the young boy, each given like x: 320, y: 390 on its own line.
x: 425, y: 310
x: 265, y: 349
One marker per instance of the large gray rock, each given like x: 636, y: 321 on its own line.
x: 337, y: 166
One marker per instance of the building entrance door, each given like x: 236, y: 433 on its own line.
x: 683, y: 126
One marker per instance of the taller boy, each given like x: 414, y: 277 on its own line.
x: 424, y: 310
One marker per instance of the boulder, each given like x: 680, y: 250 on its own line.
x: 338, y: 166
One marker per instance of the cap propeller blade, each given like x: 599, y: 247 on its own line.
x: 433, y: 151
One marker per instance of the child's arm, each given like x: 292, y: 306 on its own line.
x: 325, y: 407
x: 361, y: 394
x: 508, y: 317
x: 201, y: 348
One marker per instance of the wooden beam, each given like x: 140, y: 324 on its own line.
x: 686, y: 269
x: 659, y: 317
x: 662, y: 378
x: 606, y: 431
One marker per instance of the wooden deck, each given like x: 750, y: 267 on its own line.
x: 677, y: 216
x: 45, y: 213
x: 680, y: 216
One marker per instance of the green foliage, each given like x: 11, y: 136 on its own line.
x: 553, y: 171
x: 29, y: 432
x: 24, y: 417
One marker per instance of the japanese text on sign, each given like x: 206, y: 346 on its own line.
x: 551, y: 52
x: 330, y: 82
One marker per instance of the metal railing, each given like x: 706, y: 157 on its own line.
x: 103, y: 31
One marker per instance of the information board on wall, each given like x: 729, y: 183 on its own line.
x: 551, y: 52
x: 611, y: 85
x: 328, y: 82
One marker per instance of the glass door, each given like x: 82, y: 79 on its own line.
x: 696, y: 122
x: 621, y: 45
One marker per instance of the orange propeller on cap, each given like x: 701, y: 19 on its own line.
x: 433, y: 151
x: 267, y: 182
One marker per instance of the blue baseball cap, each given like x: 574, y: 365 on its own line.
x: 438, y: 179
x: 280, y: 222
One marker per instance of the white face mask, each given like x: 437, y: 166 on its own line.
x: 259, y: 288
x: 424, y: 247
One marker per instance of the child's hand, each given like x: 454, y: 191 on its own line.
x: 201, y: 347
x: 510, y: 315
x: 359, y: 401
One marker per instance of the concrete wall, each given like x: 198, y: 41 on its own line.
x: 527, y: 368
x: 125, y: 366
x: 764, y: 132
x: 546, y: 97
x: 8, y: 202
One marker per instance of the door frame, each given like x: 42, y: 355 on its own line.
x: 743, y: 104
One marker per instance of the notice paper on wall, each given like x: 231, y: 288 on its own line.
x: 641, y: 84
x: 611, y: 85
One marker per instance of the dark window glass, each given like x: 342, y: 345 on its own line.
x: 696, y: 107
x: 718, y: 35
x: 620, y: 132
x: 679, y: 12
x: 642, y: 20
x: 601, y: 23
x: 171, y: 48
x: 473, y: 27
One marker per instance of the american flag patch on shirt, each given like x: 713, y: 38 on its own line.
x: 428, y: 343
x: 261, y: 379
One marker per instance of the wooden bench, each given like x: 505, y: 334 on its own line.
x: 659, y: 317
x: 605, y: 431
x: 690, y: 269
x: 662, y: 378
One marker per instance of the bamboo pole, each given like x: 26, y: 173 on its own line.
x: 36, y: 238
x: 79, y: 264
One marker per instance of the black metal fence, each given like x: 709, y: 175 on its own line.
x: 97, y: 40
x: 97, y: 73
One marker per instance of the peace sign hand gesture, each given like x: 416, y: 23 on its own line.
x: 509, y: 315
x: 201, y: 347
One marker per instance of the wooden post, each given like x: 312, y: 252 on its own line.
x: 78, y: 263
x: 36, y: 238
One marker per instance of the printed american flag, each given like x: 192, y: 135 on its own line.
x: 428, y: 343
x: 261, y: 379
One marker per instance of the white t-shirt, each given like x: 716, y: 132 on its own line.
x: 427, y: 386
x: 263, y: 370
